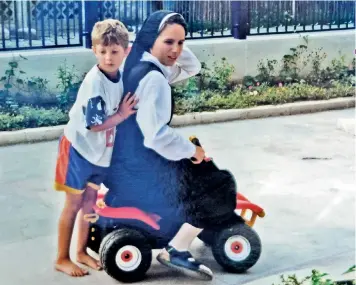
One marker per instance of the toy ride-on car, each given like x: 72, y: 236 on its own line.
x: 124, y: 238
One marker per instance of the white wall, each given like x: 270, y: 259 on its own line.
x: 243, y: 54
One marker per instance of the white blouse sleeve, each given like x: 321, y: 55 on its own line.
x: 153, y: 114
x: 187, y: 65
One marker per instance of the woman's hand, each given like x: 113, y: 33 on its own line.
x: 199, y: 155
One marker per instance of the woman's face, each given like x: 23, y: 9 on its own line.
x: 169, y: 44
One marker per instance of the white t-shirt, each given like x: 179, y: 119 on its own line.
x: 98, y: 97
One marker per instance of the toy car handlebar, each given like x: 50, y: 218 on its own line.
x: 195, y: 140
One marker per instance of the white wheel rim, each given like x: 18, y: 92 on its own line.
x: 128, y: 258
x: 237, y: 248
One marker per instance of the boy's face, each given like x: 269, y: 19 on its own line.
x: 110, y: 57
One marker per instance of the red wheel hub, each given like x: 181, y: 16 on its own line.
x: 126, y: 256
x: 236, y: 247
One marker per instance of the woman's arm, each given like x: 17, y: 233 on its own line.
x: 153, y: 114
x: 187, y: 65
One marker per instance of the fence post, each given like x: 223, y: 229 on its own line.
x: 239, y: 19
x: 157, y: 5
x: 90, y: 18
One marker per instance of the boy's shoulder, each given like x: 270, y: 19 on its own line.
x: 93, y: 79
x: 91, y: 85
x: 93, y: 75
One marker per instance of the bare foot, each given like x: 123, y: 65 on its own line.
x: 86, y: 259
x: 68, y: 267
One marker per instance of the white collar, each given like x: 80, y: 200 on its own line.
x: 149, y: 57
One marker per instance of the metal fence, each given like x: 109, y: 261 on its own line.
x: 205, y: 19
x: 270, y: 17
x: 47, y: 24
x: 131, y: 13
x: 40, y: 24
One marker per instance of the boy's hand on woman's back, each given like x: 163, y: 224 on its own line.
x: 126, y: 108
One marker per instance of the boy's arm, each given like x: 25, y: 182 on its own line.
x: 109, y: 123
x: 187, y: 65
x: 96, y: 118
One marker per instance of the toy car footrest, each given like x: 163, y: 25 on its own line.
x: 122, y: 213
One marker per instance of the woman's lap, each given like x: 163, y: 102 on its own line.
x: 201, y: 196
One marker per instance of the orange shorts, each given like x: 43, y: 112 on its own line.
x: 73, y: 172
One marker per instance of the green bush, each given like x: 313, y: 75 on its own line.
x: 217, y: 78
x: 17, y: 91
x: 68, y: 86
x: 317, y: 278
x: 11, y: 122
x: 41, y: 117
x: 261, y: 95
x: 29, y: 117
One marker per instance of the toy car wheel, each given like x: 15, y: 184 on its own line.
x: 126, y: 255
x: 237, y: 248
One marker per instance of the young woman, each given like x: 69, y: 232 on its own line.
x: 152, y: 166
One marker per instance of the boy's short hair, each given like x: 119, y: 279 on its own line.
x: 108, y: 32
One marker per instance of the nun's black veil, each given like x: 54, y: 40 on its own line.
x: 144, y: 41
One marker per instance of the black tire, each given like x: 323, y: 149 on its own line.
x: 243, y: 248
x: 137, y: 248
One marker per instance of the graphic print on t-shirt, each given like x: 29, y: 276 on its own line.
x: 95, y: 114
x: 110, y: 135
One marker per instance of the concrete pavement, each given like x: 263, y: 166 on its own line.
x: 301, y: 169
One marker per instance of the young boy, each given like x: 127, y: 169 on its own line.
x: 85, y: 149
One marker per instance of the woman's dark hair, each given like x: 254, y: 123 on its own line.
x: 175, y: 19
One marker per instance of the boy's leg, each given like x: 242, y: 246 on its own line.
x: 65, y: 229
x: 177, y: 255
x: 89, y: 200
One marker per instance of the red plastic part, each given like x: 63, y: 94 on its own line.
x: 128, y: 213
x: 241, y: 197
x: 152, y: 219
x: 244, y: 205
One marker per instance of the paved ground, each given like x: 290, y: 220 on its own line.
x: 310, y: 203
